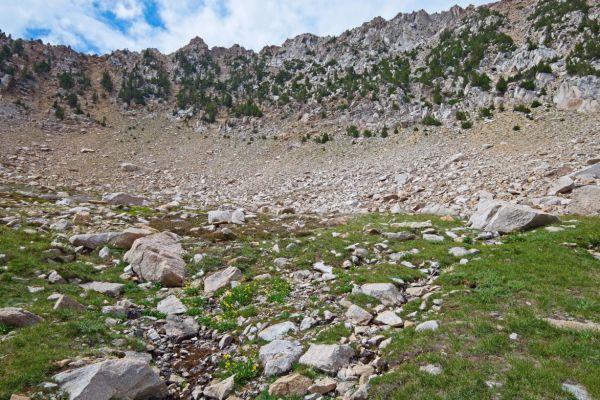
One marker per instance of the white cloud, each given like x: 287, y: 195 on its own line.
x: 250, y: 23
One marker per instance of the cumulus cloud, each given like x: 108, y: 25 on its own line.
x: 101, y: 26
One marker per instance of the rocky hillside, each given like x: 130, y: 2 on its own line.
x: 448, y: 68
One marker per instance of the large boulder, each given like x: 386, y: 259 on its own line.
x: 157, y: 258
x: 221, y: 279
x: 504, y: 217
x: 127, y: 378
x: 124, y: 199
x: 586, y: 200
x: 17, y: 317
x: 278, y: 356
x: 329, y: 358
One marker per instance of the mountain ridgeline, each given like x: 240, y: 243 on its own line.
x: 448, y: 68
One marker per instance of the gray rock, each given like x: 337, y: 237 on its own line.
x: 238, y: 217
x: 387, y: 293
x: 358, y: 315
x: 221, y: 279
x: 329, y: 358
x: 122, y: 240
x: 427, y: 326
x: 124, y: 199
x: 171, y: 305
x: 307, y: 323
x: 61, y: 225
x: 55, y: 278
x: 439, y: 210
x: 127, y: 378
x: 277, y: 331
x: 586, y: 200
x: 400, y: 236
x: 504, y: 217
x: 107, y: 288
x: 592, y: 172
x: 220, y: 390
x: 414, y: 225
x: 562, y: 185
x: 17, y: 317
x: 219, y: 217
x: 389, y: 318
x: 461, y: 251
x: 129, y: 167
x: 104, y: 253
x: 431, y: 369
x: 279, y: 356
x: 433, y: 238
x: 157, y: 258
x: 93, y: 240
x: 65, y: 302
x: 578, y: 391
x: 179, y: 328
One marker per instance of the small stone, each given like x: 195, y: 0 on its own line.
x: 220, y: 390
x: 358, y: 315
x: 427, y: 326
x: 431, y: 369
x: 578, y: 391
x: 389, y: 318
x: 277, y: 331
x: 433, y: 238
x: 171, y: 305
x: 65, y: 302
x: 323, y: 386
x: 107, y: 288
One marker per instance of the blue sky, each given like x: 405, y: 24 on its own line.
x: 100, y: 26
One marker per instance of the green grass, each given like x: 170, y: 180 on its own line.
x: 511, y: 289
x: 506, y: 288
x: 332, y: 335
x: 27, y: 356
